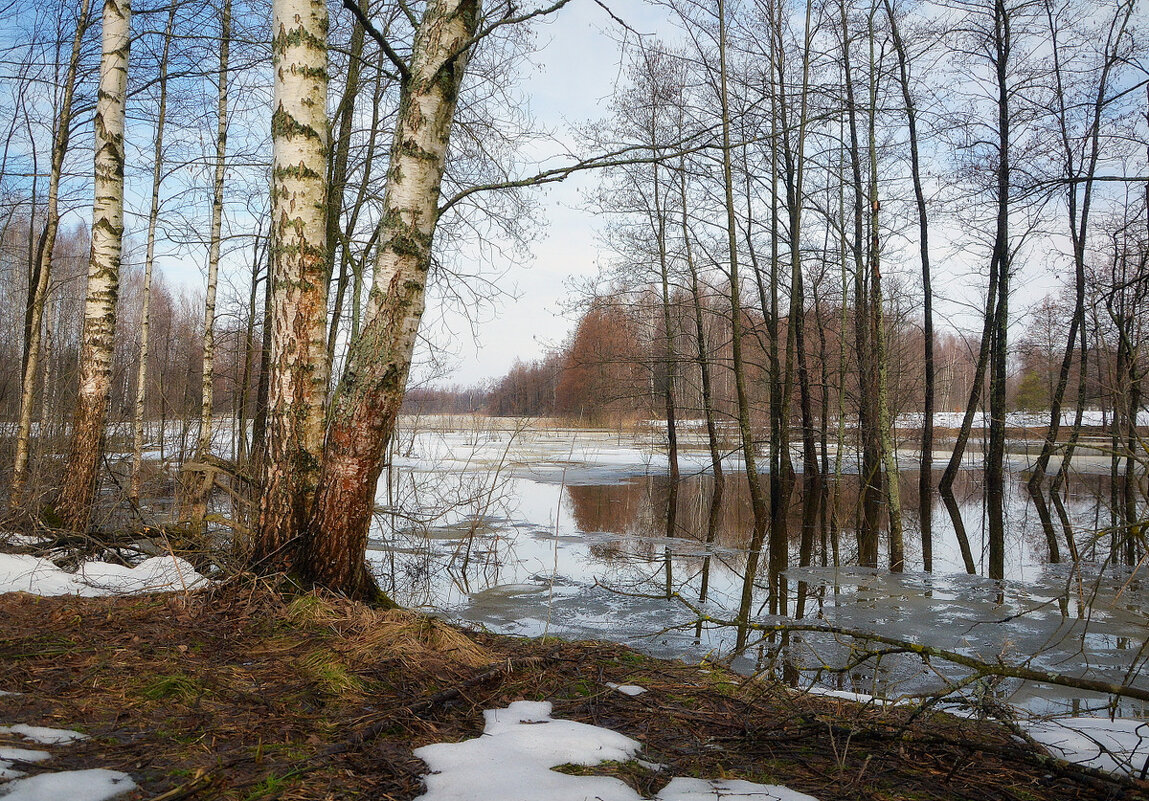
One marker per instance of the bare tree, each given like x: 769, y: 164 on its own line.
x: 41, y: 278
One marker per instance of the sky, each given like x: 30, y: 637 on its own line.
x: 578, y: 61
x: 576, y: 64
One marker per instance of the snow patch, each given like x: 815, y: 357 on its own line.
x: 43, y: 734
x: 626, y: 689
x: 96, y: 784
x: 24, y: 573
x: 686, y: 789
x: 10, y: 755
x: 512, y: 761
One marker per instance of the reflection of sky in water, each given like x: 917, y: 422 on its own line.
x: 534, y: 535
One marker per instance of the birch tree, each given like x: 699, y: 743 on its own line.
x: 45, y: 249
x: 297, y: 368
x: 207, y: 392
x: 366, y: 402
x: 149, y: 264
x: 103, y: 271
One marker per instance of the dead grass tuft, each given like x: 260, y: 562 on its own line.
x: 369, y: 635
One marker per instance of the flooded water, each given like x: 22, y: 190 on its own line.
x: 564, y: 532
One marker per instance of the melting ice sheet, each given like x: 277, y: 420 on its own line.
x: 512, y: 761
x: 1117, y: 746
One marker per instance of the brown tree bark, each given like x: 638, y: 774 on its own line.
x: 42, y: 276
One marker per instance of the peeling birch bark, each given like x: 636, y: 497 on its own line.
x: 99, y: 327
x: 297, y: 374
x: 366, y: 402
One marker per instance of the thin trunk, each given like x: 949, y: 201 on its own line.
x: 925, y: 470
x: 794, y: 156
x: 149, y: 263
x: 337, y: 183
x: 205, y: 481
x: 703, y: 364
x: 870, y: 468
x: 995, y: 457
x: 669, y: 357
x: 757, y: 499
x: 99, y: 328
x: 46, y: 248
x: 881, y: 357
x: 1078, y: 221
x: 243, y: 412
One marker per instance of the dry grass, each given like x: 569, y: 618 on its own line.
x: 243, y: 694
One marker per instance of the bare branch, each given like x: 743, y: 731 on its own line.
x: 373, y: 32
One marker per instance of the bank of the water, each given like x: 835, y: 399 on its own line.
x: 241, y: 693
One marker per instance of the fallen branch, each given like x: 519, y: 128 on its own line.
x: 927, y: 652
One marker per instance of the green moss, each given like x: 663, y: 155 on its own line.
x: 330, y: 674
x: 178, y: 687
x: 271, y: 786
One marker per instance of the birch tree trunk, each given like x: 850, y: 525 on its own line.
x: 99, y: 326
x: 366, y: 402
x: 297, y: 368
x: 45, y: 249
x: 149, y: 262
x: 204, y: 481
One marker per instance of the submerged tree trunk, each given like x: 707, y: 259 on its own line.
x: 868, y: 425
x: 366, y: 402
x: 669, y: 362
x: 925, y: 470
x: 704, y: 375
x: 99, y: 327
x: 995, y: 458
x: 45, y: 250
x: 757, y: 498
x: 881, y: 356
x: 297, y: 369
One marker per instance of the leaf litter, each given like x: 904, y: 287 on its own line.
x: 241, y: 692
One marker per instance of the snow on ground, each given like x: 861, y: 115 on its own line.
x: 10, y: 755
x: 25, y: 573
x: 94, y: 784
x: 512, y: 761
x: 43, y: 735
x: 1120, y: 745
x: 626, y: 689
